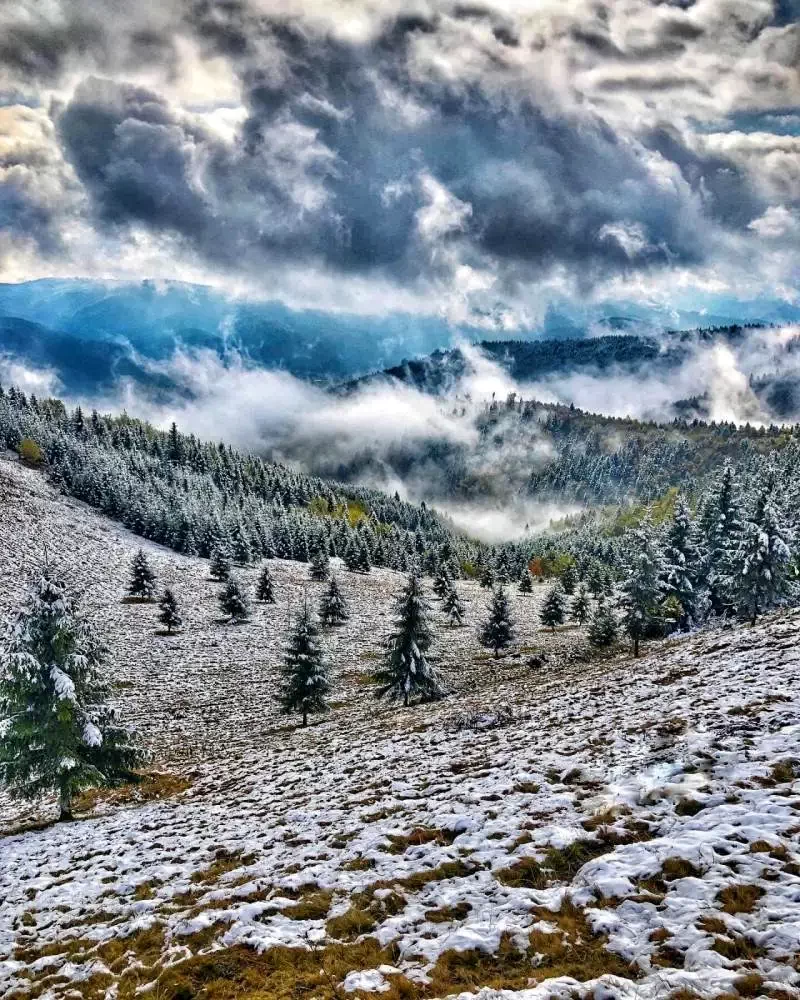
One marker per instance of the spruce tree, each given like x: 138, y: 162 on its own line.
x: 220, y: 565
x: 579, y: 609
x: 759, y: 569
x: 722, y: 522
x: 643, y: 589
x: 333, y: 608
x: 569, y: 579
x: 233, y: 601
x: 59, y: 735
x: 143, y: 580
x: 442, y: 583
x: 453, y: 608
x: 683, y: 564
x: 405, y: 672
x: 525, y: 582
x: 497, y: 632
x: 554, y: 607
x: 169, y: 615
x: 487, y: 577
x: 603, y: 626
x: 320, y: 564
x: 305, y: 676
x: 595, y: 580
x: 265, y: 588
x: 240, y: 545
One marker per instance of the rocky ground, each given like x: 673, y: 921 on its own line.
x: 613, y: 828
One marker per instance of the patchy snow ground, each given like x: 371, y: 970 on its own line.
x: 632, y: 831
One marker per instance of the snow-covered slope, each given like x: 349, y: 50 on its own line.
x: 611, y: 828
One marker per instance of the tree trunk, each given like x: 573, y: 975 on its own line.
x: 64, y: 803
x: 305, y: 718
x: 496, y: 653
x: 405, y: 700
x: 636, y: 646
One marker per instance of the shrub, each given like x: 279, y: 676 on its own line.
x: 30, y: 452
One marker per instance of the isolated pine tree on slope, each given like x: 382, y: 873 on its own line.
x: 233, y: 601
x: 170, y: 616
x: 453, y: 608
x: 406, y: 672
x: 525, y: 582
x: 579, y: 609
x: 306, y: 680
x: 265, y: 588
x: 497, y: 632
x: 320, y: 564
x: 143, y: 580
x: 554, y: 607
x: 220, y: 567
x: 603, y: 626
x: 333, y: 608
x: 59, y: 734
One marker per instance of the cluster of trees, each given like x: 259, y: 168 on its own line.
x: 200, y: 498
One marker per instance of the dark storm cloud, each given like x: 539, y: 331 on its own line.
x: 406, y: 144
x: 542, y: 188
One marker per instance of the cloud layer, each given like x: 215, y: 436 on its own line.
x: 475, y: 160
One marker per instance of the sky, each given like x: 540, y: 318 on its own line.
x: 477, y: 161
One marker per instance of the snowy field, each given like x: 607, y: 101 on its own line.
x: 631, y: 830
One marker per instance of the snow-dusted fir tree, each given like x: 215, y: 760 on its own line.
x: 487, y: 576
x: 595, y: 580
x: 721, y: 523
x: 525, y: 582
x: 220, y: 565
x: 579, y: 610
x: 642, y: 588
x: 169, y: 612
x: 603, y: 626
x: 554, y: 609
x: 240, y: 544
x: 356, y: 556
x: 405, y: 672
x: 265, y: 588
x: 57, y: 730
x: 442, y: 583
x: 233, y: 601
x: 569, y: 579
x: 305, y: 675
x: 683, y: 561
x: 320, y: 564
x: 142, y: 582
x: 333, y: 608
x: 759, y: 569
x: 453, y: 608
x: 497, y: 632
x: 502, y: 569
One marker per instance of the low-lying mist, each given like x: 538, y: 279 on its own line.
x: 442, y: 448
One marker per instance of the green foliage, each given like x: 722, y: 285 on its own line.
x: 30, y: 452
x: 305, y: 677
x: 169, y: 612
x: 554, y: 608
x: 333, y: 606
x: 220, y: 565
x: 60, y: 733
x: 603, y: 627
x: 143, y: 580
x: 406, y: 672
x: 497, y: 632
x: 233, y: 601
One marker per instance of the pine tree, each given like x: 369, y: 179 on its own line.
x: 603, y: 626
x: 170, y: 615
x: 265, y: 588
x: 60, y: 735
x: 683, y: 561
x: 333, y: 608
x: 453, y: 608
x: 442, y: 584
x: 579, y: 609
x: 240, y: 545
x: 642, y: 589
x: 554, y: 607
x: 595, y: 580
x: 306, y: 680
x: 220, y: 565
x: 759, y: 573
x: 721, y: 523
x: 143, y: 579
x: 525, y: 582
x: 569, y: 579
x: 406, y: 672
x: 497, y: 632
x: 320, y: 564
x: 487, y: 577
x: 363, y: 561
x: 233, y: 601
